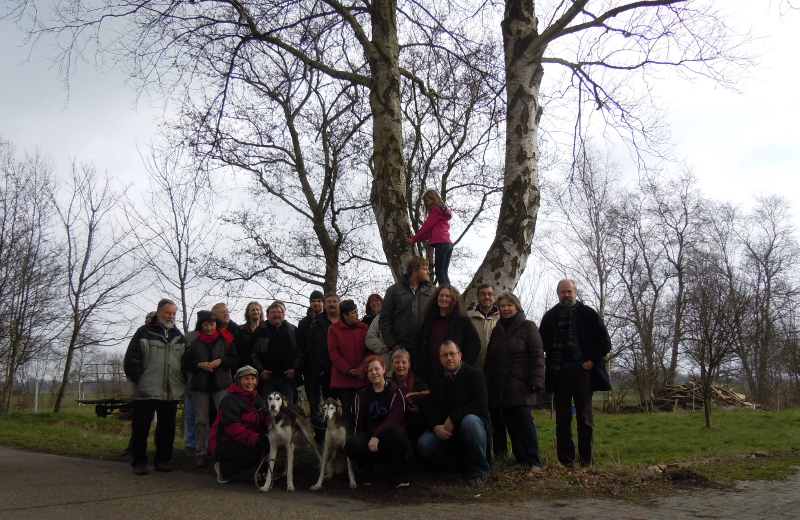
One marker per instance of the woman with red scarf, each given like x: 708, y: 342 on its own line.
x: 209, y: 359
x: 408, y: 382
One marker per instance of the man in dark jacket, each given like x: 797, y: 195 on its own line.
x: 318, y: 361
x: 401, y: 314
x: 153, y: 363
x: 276, y: 354
x: 458, y: 417
x: 576, y: 343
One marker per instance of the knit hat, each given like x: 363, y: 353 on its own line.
x: 246, y: 370
x: 317, y: 295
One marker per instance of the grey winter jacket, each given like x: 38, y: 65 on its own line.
x: 153, y: 362
x: 401, y: 314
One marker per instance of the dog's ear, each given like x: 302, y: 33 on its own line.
x: 338, y: 403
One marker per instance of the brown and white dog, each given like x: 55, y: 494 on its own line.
x: 288, y: 427
x: 334, y: 459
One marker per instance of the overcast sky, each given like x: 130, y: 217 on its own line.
x: 738, y: 144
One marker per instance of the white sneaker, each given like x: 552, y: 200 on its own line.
x: 220, y: 478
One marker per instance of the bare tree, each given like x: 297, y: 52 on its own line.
x: 99, y: 266
x: 29, y: 269
x: 170, y: 227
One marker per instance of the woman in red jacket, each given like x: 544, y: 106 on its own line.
x: 347, y: 348
x: 239, y: 434
x: 380, y: 434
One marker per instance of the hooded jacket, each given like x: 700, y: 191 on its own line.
x: 240, y: 419
x: 436, y: 229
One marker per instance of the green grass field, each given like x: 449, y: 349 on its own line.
x: 625, y: 444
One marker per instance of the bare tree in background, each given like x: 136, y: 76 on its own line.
x: 98, y: 264
x: 29, y: 268
x: 174, y: 232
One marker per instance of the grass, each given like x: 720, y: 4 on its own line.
x: 625, y: 445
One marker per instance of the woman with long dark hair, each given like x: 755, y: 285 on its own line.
x: 444, y: 318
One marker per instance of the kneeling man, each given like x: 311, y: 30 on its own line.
x: 458, y: 416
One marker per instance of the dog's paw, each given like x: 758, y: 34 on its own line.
x: 289, y: 487
x: 353, y: 485
x: 316, y: 487
x: 265, y: 487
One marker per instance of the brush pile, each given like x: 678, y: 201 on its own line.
x: 689, y: 396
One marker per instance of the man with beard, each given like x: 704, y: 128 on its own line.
x: 576, y: 343
x: 153, y: 363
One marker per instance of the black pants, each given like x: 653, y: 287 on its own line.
x: 235, y: 457
x: 277, y: 383
x: 315, y: 385
x: 143, y: 411
x: 392, y: 449
x: 522, y: 430
x: 346, y: 396
x: 577, y: 387
x: 499, y: 436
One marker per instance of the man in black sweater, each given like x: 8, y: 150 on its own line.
x: 458, y: 417
x: 276, y: 354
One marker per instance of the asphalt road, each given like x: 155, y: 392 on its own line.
x: 39, y: 486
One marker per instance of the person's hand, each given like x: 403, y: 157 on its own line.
x: 265, y: 374
x: 588, y: 365
x: 205, y: 365
x: 373, y: 444
x: 216, y: 363
x: 290, y: 373
x: 441, y: 432
x: 353, y: 372
x: 409, y: 241
x: 412, y: 408
x: 448, y: 425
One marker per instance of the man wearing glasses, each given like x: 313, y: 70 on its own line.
x: 458, y: 417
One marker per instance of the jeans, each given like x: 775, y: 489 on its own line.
x: 522, y: 430
x: 469, y: 439
x: 143, y: 410
x: 188, y: 415
x: 575, y: 386
x: 441, y: 261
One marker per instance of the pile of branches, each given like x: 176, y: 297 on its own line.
x: 689, y: 396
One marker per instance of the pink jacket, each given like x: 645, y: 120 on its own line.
x: 347, y: 348
x: 436, y: 229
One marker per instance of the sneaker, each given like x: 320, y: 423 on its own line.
x: 477, y: 482
x: 140, y: 469
x: 534, y: 470
x: 165, y: 467
x: 401, y: 482
x: 220, y: 478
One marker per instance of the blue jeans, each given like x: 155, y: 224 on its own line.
x: 470, y: 438
x: 522, y: 430
x: 188, y: 415
x: 441, y: 261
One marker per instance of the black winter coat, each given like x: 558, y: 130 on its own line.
x: 593, y: 339
x: 460, y: 330
x: 197, y: 352
x: 514, y: 366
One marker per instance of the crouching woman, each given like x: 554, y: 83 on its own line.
x: 239, y: 434
x: 380, y: 434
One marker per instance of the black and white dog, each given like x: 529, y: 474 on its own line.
x: 288, y: 427
x: 334, y: 459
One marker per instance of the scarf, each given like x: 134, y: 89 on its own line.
x: 407, y: 385
x: 211, y: 338
x: 563, y: 342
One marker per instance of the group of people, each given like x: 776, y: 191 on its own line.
x: 462, y: 382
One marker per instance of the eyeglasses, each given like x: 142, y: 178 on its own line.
x: 449, y: 355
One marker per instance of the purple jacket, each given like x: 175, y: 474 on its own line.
x: 397, y: 409
x: 436, y: 229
